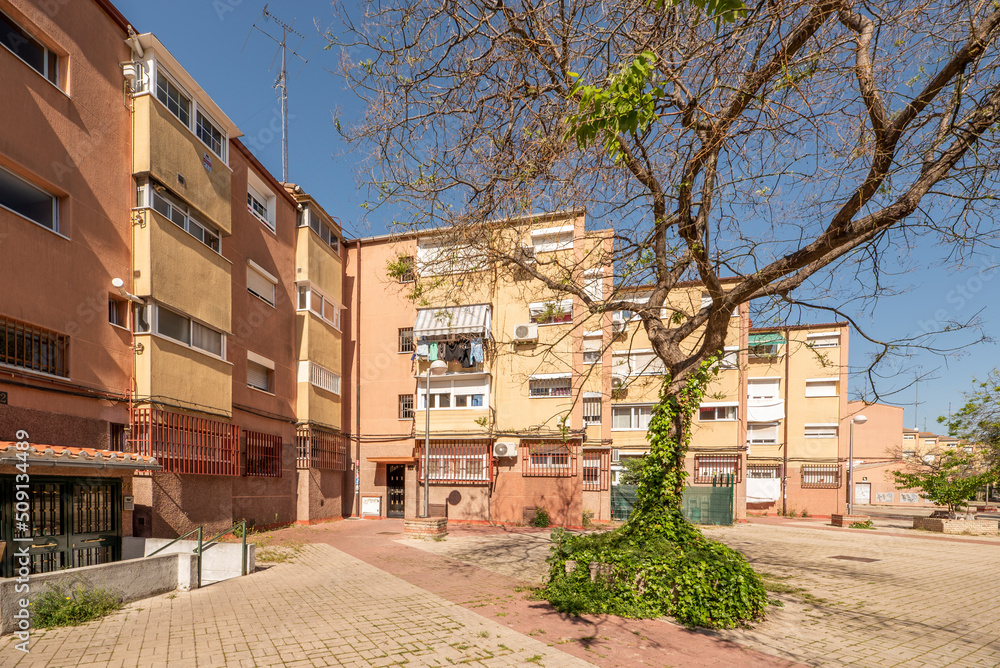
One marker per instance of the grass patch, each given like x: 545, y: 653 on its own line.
x: 867, y: 524
x: 59, y: 607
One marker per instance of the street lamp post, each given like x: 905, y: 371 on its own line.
x: 437, y: 367
x: 858, y: 419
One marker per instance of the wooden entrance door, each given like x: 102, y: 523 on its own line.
x: 395, y: 481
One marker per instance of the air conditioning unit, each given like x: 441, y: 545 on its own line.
x: 525, y: 254
x: 618, y: 327
x: 525, y: 333
x: 617, y: 381
x: 505, y: 449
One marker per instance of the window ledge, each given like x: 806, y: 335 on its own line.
x: 254, y: 294
x: 260, y: 390
x: 181, y: 344
x: 35, y: 222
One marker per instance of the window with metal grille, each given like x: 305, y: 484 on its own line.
x: 408, y: 275
x: 263, y: 455
x: 457, y: 461
x: 406, y: 339
x: 821, y: 476
x: 715, y: 467
x: 596, y: 470
x: 323, y: 378
x: 592, y: 410
x: 549, y: 387
x: 186, y: 444
x: 763, y: 470
x: 405, y: 406
x: 549, y: 458
x: 320, y: 448
x: 33, y: 348
x: 116, y: 436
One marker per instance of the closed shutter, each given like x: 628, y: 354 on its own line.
x: 257, y: 376
x: 821, y: 388
x: 259, y: 285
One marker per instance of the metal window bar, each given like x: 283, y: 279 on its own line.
x: 263, y: 455
x: 35, y: 348
x: 821, y: 476
x: 709, y: 467
x: 596, y: 470
x: 406, y: 339
x: 763, y: 470
x: 553, y: 459
x: 457, y: 461
x: 592, y: 410
x: 186, y: 444
x: 320, y: 448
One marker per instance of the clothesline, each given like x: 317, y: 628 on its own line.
x: 467, y: 352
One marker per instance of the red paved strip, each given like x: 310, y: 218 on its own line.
x: 816, y: 524
x: 602, y: 640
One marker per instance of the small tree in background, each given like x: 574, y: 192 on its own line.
x: 949, y: 479
x: 978, y: 421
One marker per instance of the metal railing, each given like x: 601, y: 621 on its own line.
x: 205, y: 544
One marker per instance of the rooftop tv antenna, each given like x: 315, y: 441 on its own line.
x: 281, y: 83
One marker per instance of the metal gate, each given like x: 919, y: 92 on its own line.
x: 71, y: 522
x: 700, y: 505
x: 395, y: 477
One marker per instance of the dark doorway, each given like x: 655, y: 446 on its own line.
x: 395, y: 482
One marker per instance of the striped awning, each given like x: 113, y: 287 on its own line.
x: 452, y: 320
x: 766, y: 338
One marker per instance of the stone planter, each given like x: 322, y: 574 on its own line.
x: 973, y: 527
x: 425, y: 527
x: 847, y: 520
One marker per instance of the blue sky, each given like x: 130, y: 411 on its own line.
x: 213, y: 40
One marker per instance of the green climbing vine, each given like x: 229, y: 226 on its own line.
x: 658, y: 563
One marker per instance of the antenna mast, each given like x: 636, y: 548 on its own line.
x: 281, y: 83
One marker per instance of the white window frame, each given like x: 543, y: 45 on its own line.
x: 196, y: 111
x: 267, y: 365
x: 319, y: 376
x: 259, y: 193
x: 593, y: 283
x: 814, y: 385
x: 642, y: 362
x: 730, y: 412
x: 153, y: 320
x: 552, y: 239
x: 590, y: 417
x: 730, y: 358
x: 564, y: 307
x: 454, y: 386
x: 178, y: 213
x: 48, y: 55
x: 329, y: 311
x: 636, y: 413
x: 909, y: 437
x: 55, y: 203
x: 762, y: 426
x: 543, y: 386
x: 255, y: 269
x: 823, y: 340
x: 821, y: 430
x: 758, y: 389
x: 202, y: 119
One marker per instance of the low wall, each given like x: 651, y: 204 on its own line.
x: 220, y: 561
x: 975, y: 527
x: 847, y: 520
x: 129, y: 580
x: 425, y: 527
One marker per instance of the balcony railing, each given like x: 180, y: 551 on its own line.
x: 320, y: 448
x: 186, y: 444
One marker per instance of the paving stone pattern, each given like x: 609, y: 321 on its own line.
x: 922, y: 603
x: 324, y: 609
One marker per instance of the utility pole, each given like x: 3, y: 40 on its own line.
x: 281, y: 83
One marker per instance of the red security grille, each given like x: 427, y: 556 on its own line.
x: 821, y: 476
x: 186, y: 444
x: 457, y: 461
x: 320, y: 448
x: 263, y: 455
x: 596, y: 470
x: 34, y: 348
x: 709, y: 468
x: 549, y: 458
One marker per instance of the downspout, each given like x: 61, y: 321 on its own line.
x: 357, y: 386
x: 133, y: 42
x: 784, y: 436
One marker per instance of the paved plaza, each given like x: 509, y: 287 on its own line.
x: 357, y: 594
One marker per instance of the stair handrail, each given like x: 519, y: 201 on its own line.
x: 201, y: 532
x: 242, y: 524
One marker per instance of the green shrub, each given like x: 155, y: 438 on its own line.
x: 867, y: 524
x: 56, y: 607
x: 541, y: 518
x: 588, y: 519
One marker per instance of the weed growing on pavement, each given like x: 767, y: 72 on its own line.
x: 658, y: 563
x: 541, y: 518
x: 867, y: 524
x: 537, y: 658
x: 57, y: 607
x: 588, y: 519
x: 805, y: 513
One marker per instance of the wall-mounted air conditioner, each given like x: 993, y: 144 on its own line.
x: 525, y: 333
x: 505, y: 449
x: 618, y: 327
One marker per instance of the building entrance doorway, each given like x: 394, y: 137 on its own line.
x: 395, y: 481
x: 863, y: 493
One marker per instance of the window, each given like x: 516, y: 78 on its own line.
x: 631, y: 417
x: 762, y: 432
x: 260, y: 283
x: 212, y: 136
x: 117, y: 312
x: 548, y: 313
x: 548, y: 458
x: 596, y: 469
x: 730, y: 358
x: 260, y: 200
x: 457, y: 461
x: 174, y: 210
x: 968, y: 449
x: 260, y: 373
x: 455, y: 392
x: 552, y: 239
x: 928, y: 441
x: 30, y: 50
x: 821, y: 387
x: 182, y: 329
x: 762, y: 389
x: 313, y: 222
x: 908, y: 437
x: 26, y: 200
x: 310, y: 299
x: 636, y: 363
x: 593, y: 342
x: 263, y: 455
x: 549, y: 387
x: 405, y: 406
x: 823, y: 340
x: 140, y: 318
x: 821, y: 431
x: 33, y: 348
x: 406, y: 339
x: 117, y: 436
x: 321, y: 377
x: 594, y: 283
x: 717, y: 413
x: 819, y: 476
x: 408, y: 275
x: 909, y: 454
x: 765, y: 471
x: 713, y: 467
x: 592, y: 410
x: 592, y: 356
x: 173, y: 99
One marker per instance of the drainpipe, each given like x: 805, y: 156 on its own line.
x: 784, y: 437
x: 357, y: 386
